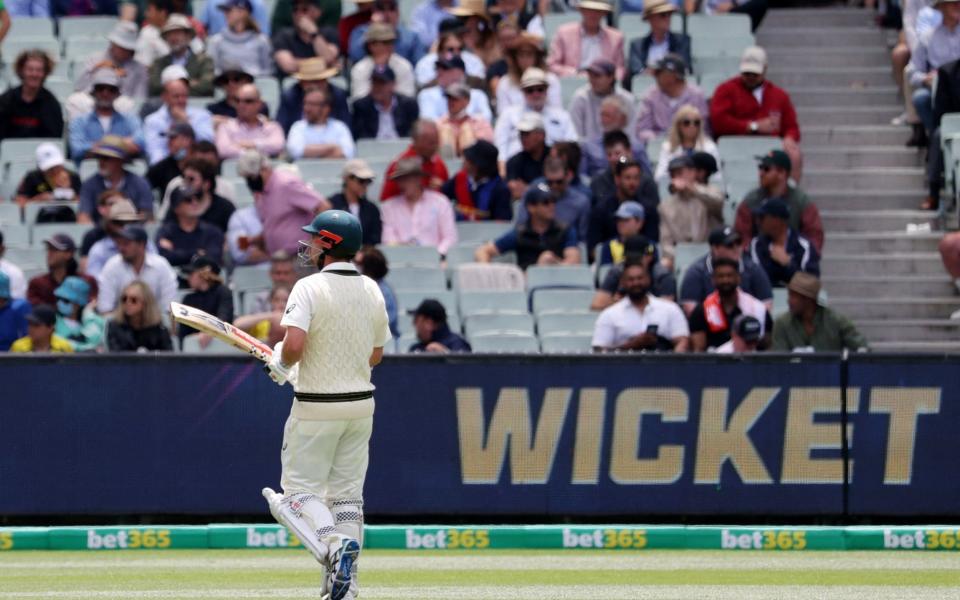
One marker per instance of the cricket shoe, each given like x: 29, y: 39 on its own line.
x: 344, y: 551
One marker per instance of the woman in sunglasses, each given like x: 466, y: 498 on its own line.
x: 137, y: 325
x: 685, y: 137
x: 241, y: 42
x: 448, y: 46
x: 526, y: 52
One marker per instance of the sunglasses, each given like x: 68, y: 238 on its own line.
x: 689, y: 122
x: 556, y: 182
x: 542, y: 202
x: 385, y: 6
x: 104, y: 88
x: 130, y: 299
x: 455, y: 49
x: 535, y: 90
x: 237, y: 79
x: 764, y: 168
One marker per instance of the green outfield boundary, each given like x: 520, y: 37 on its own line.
x: 501, y: 537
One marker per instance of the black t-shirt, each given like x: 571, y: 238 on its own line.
x: 698, y: 322
x: 42, y: 118
x: 225, y: 109
x: 697, y: 281
x: 287, y: 39
x: 217, y: 301
x: 162, y: 173
x: 91, y: 237
x: 523, y: 166
x: 217, y: 215
x: 497, y: 69
x: 35, y: 183
x: 663, y: 281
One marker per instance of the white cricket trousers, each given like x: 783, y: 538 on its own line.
x: 325, y: 458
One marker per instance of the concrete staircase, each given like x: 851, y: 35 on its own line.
x: 835, y: 64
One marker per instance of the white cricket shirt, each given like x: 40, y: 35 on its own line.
x: 623, y: 320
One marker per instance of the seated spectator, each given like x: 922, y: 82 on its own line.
x: 522, y: 13
x: 417, y: 216
x: 426, y: 18
x: 186, y: 235
x: 745, y: 335
x: 118, y: 57
x: 630, y: 218
x: 686, y: 137
x: 283, y: 274
x: 30, y: 110
x: 121, y: 212
x: 209, y: 294
x: 240, y: 42
x: 477, y: 33
x: 572, y: 157
x: 265, y: 326
x: 350, y: 22
x: 432, y: 101
x: 16, y: 279
x: 61, y: 263
x: 373, y: 264
x: 50, y: 181
x: 615, y: 141
x: 527, y: 52
x: 379, y: 42
x: 640, y: 320
x: 137, y: 323
x: 132, y: 263
x: 231, y: 78
x: 779, y: 249
x: 13, y: 314
x: 946, y: 100
x: 357, y: 177
x: 573, y: 207
x: 199, y: 182
x: 630, y: 248
x: 712, y: 320
x: 477, y: 191
x: 313, y: 74
x: 318, y: 135
x: 88, y: 128
x: 424, y: 143
x: 646, y: 51
x: 755, y: 9
x: 40, y: 333
x: 178, y: 34
x: 245, y: 237
x: 774, y: 171
x: 527, y: 165
x: 810, y: 327
x: 150, y: 45
x: 736, y: 110
x: 283, y: 200
x: 96, y: 233
x: 575, y: 45
x: 705, y: 165
x: 214, y: 17
x: 585, y: 107
x: 76, y: 322
x: 180, y: 138
x: 305, y: 40
x: 206, y: 151
x: 383, y: 114
x: 174, y: 110
x: 408, y: 44
x: 540, y: 239
x: 660, y: 102
x: 250, y: 130
x: 628, y: 180
x: 507, y: 35
x: 433, y: 333
x: 458, y: 128
x: 112, y: 175
x: 556, y: 122
x: 691, y: 212
x: 450, y: 45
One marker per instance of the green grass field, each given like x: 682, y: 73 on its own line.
x: 480, y: 575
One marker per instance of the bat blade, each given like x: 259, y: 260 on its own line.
x: 226, y: 332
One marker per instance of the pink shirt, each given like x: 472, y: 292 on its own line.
x: 286, y: 205
x: 427, y: 222
x: 267, y: 136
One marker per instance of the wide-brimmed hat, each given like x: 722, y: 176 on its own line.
x: 105, y: 76
x: 109, y: 146
x: 656, y: 7
x: 603, y: 5
x: 753, y: 60
x: 533, y: 77
x: 805, y: 284
x: 177, y: 22
x: 528, y: 39
x: 380, y: 32
x: 407, y: 166
x: 74, y: 289
x: 124, y: 34
x: 470, y: 8
x: 123, y: 211
x: 232, y: 70
x: 314, y: 69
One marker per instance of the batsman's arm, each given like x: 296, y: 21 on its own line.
x: 293, y: 343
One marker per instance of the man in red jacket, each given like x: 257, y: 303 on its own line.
x: 425, y: 141
x: 751, y: 105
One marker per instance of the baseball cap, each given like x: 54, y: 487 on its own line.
x: 753, y: 60
x: 482, y: 154
x: 680, y: 162
x: 174, y: 73
x: 407, y: 166
x: 805, y: 284
x: 773, y: 207
x: 776, y: 158
x: 630, y: 210
x: 4, y: 285
x: 124, y: 34
x: 536, y: 194
x: 380, y: 32
x: 705, y: 162
x: 43, y: 314
x: 747, y: 327
x: 358, y: 168
x: 74, y: 289
x: 530, y: 121
x: 457, y: 90
x: 673, y: 63
x: 177, y: 22
x: 432, y: 309
x: 383, y: 73
x: 235, y: 4
x: 200, y: 262
x: 105, y: 76
x: 123, y: 210
x: 49, y: 156
x: 724, y: 236
x: 533, y: 77
x: 249, y: 163
x: 638, y: 245
x: 454, y: 62
x: 232, y: 71
x: 62, y: 242
x: 182, y: 129
x: 134, y: 233
x: 602, y: 66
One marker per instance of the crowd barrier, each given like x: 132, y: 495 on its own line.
x: 544, y: 437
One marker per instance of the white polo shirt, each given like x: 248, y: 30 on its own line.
x: 623, y: 320
x: 117, y: 274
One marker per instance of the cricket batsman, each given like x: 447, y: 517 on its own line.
x: 337, y: 326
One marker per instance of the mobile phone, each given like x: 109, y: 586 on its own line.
x: 652, y: 329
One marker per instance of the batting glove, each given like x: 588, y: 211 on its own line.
x: 278, y: 372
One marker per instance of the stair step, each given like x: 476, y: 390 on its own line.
x: 847, y: 115
x: 889, y: 286
x: 836, y: 263
x: 802, y: 58
x: 836, y: 156
x: 874, y: 220
x: 834, y: 97
x: 896, y: 308
x: 916, y: 346
x: 877, y: 243
x: 821, y: 37
x: 812, y: 17
x: 864, y: 200
x: 893, y: 330
x: 864, y: 178
x: 847, y: 135
x: 850, y: 77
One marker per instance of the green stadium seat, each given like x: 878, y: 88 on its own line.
x: 228, y: 168
x: 745, y: 147
x: 29, y: 27
x: 474, y: 303
x: 559, y: 277
x: 720, y: 45
x: 9, y: 214
x: 460, y: 254
x: 641, y: 83
x: 499, y: 323
x: 566, y: 343
x: 685, y: 254
x: 570, y: 323
x: 12, y: 176
x: 569, y: 86
x: 250, y: 278
x: 481, y: 231
x: 321, y: 168
x: 710, y: 81
x: 32, y: 209
x: 60, y: 88
x: 723, y: 66
x: 701, y: 25
x: 77, y: 49
x: 408, y: 300
x: 949, y: 135
x: 33, y: 256
x: 269, y: 92
x: 780, y: 305
x: 499, y: 343
x: 24, y: 149
x: 411, y: 256
x: 91, y: 27
x: 15, y: 235
x: 417, y: 278
x: 370, y: 149
x: 553, y: 21
x: 561, y: 301
x: 11, y: 47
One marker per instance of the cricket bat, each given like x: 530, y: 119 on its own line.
x: 207, y: 323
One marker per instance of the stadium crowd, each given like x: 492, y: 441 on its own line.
x: 616, y: 179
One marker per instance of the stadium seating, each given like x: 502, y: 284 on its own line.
x: 416, y: 278
x: 499, y: 323
x: 569, y: 86
x: 523, y: 344
x: 559, y: 277
x: 500, y: 302
x: 32, y: 209
x: 43, y: 231
x: 733, y: 147
x: 481, y: 231
x: 780, y: 305
x: 411, y: 256
x: 191, y: 343
x: 566, y: 343
x: 686, y: 254
x: 90, y: 27
x: 408, y: 300
x: 30, y: 28
x: 567, y: 323
x: 562, y: 301
x: 371, y: 149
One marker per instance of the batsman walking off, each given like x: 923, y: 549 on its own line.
x: 337, y: 326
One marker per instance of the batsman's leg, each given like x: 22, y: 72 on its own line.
x: 306, y: 517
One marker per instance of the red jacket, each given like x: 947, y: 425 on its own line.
x: 434, y: 174
x: 733, y: 107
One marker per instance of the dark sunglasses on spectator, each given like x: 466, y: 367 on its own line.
x: 689, y: 122
x: 103, y: 88
x: 535, y: 90
x: 764, y: 168
x: 544, y: 201
x: 236, y: 79
x: 361, y: 180
x: 553, y: 182
x: 130, y: 299
x: 386, y: 6
x: 456, y: 49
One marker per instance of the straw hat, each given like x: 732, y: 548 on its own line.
x: 314, y: 69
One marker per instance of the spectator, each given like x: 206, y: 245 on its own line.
x: 617, y: 148
x: 433, y: 333
x: 199, y: 181
x: 573, y: 207
x: 185, y: 234
x: 77, y: 324
x: 26, y: 8
x: 432, y: 100
x: 572, y: 156
x: 751, y: 105
x: 373, y: 264
x: 540, y: 239
x: 477, y: 191
x: 318, y: 135
x: 178, y: 33
x: 137, y: 324
x: 50, y: 180
x: 586, y: 102
x: 615, y: 120
x: 575, y: 45
x: 417, y: 216
x: 527, y: 165
x: 284, y: 202
x: 527, y: 52
x: 96, y: 233
x: 809, y: 327
x: 686, y: 137
x: 630, y: 218
x: 522, y: 13
x: 426, y: 18
x: 40, y: 333
x: 755, y: 9
x: 349, y: 22
x: 775, y: 169
x: 265, y: 326
x: 250, y: 130
x: 13, y: 314
x: 628, y: 181
x: 15, y: 280
x: 745, y: 335
x: 231, y: 78
x: 556, y: 122
x: 174, y: 110
x: 508, y: 33
x: 712, y: 320
x: 357, y: 177
x: 935, y: 49
x: 450, y: 45
x: 245, y: 237
x: 61, y: 264
x: 705, y: 165
x: 206, y: 151
x: 946, y: 100
x: 283, y: 274
x: 640, y: 320
x: 691, y: 211
x: 132, y: 263
x: 30, y: 110
x: 647, y: 51
x: 408, y: 45
x: 111, y: 175
x: 379, y: 42
x: 88, y: 128
x: 180, y: 139
x: 209, y: 294
x: 457, y: 127
x: 425, y: 140
x: 240, y: 42
x: 215, y: 20
x: 477, y: 32
x: 633, y: 248
x: 383, y: 114
x: 132, y: 75
x: 305, y: 40
x: 312, y: 75
x: 660, y: 102
x: 120, y: 214
x: 779, y: 249
x: 150, y: 44
x: 726, y: 243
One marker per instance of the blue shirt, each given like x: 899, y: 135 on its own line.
x: 13, y: 322
x: 86, y: 130
x: 442, y: 335
x: 573, y: 209
x: 408, y: 44
x: 303, y: 134
x: 28, y: 8
x: 156, y: 125
x: 390, y: 300
x: 425, y: 21
x: 133, y: 187
x: 215, y: 20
